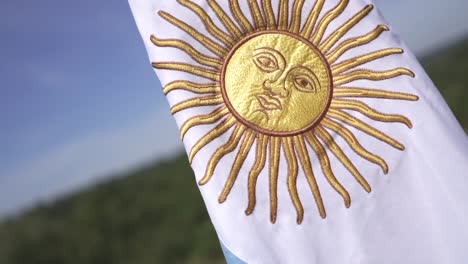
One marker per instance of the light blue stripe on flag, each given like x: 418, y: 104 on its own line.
x: 230, y: 257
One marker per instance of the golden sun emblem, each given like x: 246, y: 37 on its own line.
x: 275, y: 85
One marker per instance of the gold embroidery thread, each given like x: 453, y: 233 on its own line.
x: 275, y: 87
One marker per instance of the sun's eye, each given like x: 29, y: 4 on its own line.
x: 305, y: 83
x: 266, y: 62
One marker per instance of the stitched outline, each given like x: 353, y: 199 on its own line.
x: 253, y: 126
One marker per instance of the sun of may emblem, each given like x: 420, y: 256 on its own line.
x: 276, y: 86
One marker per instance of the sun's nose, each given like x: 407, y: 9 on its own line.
x: 276, y: 88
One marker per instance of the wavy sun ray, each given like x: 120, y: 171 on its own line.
x: 283, y: 14
x: 369, y: 112
x: 326, y: 20
x: 222, y: 151
x: 291, y: 159
x: 209, y: 24
x: 339, y: 33
x: 202, y: 39
x: 188, y: 68
x: 297, y: 16
x: 240, y: 17
x: 372, y: 93
x: 254, y: 126
x: 371, y: 75
x: 269, y: 15
x: 210, y: 136
x: 358, y: 124
x: 352, y: 141
x: 225, y: 20
x: 197, y: 102
x: 209, y: 88
x: 338, y: 152
x: 244, y: 150
x: 275, y: 146
x: 309, y: 25
x: 256, y: 14
x: 259, y: 164
x: 190, y: 50
x: 357, y: 61
x: 351, y: 43
x: 307, y: 167
x: 326, y: 167
x: 210, y: 118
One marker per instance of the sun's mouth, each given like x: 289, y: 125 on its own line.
x: 269, y: 102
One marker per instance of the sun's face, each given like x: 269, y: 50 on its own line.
x: 277, y: 83
x: 271, y: 78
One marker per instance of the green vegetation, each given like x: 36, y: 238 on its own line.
x: 156, y: 215
x: 448, y: 69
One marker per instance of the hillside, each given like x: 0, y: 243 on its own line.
x: 156, y: 215
x: 448, y: 68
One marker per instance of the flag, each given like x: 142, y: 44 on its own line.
x: 314, y: 134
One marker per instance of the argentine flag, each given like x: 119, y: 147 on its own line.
x: 314, y: 134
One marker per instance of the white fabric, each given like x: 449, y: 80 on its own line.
x: 418, y: 213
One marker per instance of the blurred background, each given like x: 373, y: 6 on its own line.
x: 91, y: 167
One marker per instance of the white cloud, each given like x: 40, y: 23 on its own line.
x: 88, y: 160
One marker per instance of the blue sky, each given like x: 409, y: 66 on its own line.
x: 79, y: 100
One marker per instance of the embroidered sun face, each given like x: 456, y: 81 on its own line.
x: 275, y: 85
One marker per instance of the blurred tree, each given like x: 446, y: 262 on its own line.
x: 448, y: 69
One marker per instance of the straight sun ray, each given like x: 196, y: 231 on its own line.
x: 222, y: 151
x: 355, y: 42
x: 304, y: 158
x: 339, y: 153
x: 372, y: 93
x: 225, y: 20
x: 275, y: 147
x: 349, y: 137
x: 269, y: 14
x: 296, y: 16
x: 356, y: 123
x: 357, y: 61
x: 308, y: 27
x: 210, y: 118
x: 371, y: 75
x: 283, y: 14
x: 188, y: 68
x: 217, y: 131
x: 340, y: 32
x: 326, y: 20
x: 202, y: 39
x: 197, y: 102
x: 326, y: 168
x: 260, y: 159
x: 209, y: 24
x: 369, y: 112
x: 240, y: 17
x: 244, y: 150
x: 292, y: 177
x: 256, y: 15
x: 190, y: 50
x: 210, y: 88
